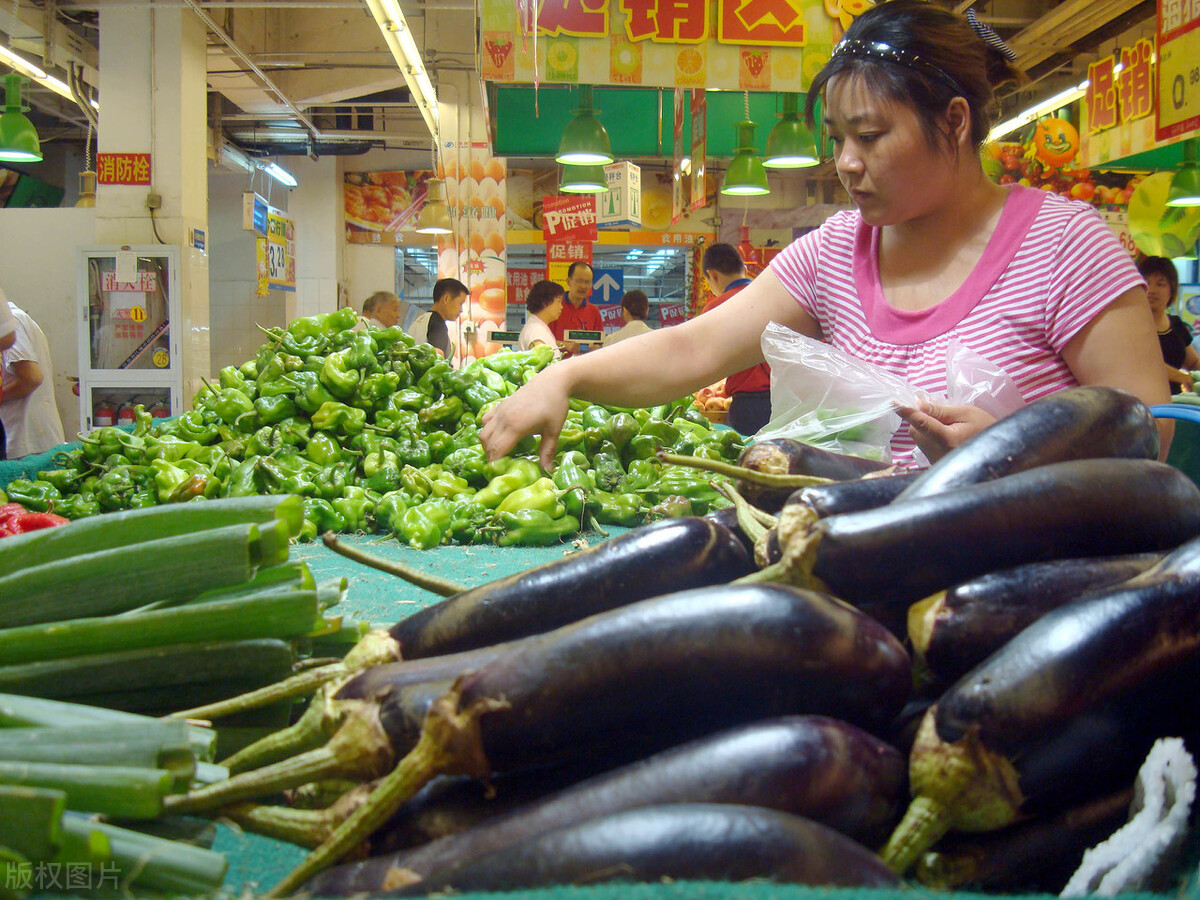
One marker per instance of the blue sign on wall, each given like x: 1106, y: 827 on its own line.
x: 608, y: 286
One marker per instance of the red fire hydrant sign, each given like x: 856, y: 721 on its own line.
x: 123, y: 168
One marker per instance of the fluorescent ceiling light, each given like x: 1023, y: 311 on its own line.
x: 283, y: 176
x: 390, y: 19
x: 1059, y: 100
x: 25, y: 67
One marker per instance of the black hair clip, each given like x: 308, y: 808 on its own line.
x: 988, y: 35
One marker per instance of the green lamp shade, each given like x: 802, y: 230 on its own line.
x: 745, y: 176
x: 584, y: 141
x: 1185, y: 187
x: 18, y: 138
x: 790, y: 144
x: 583, y: 180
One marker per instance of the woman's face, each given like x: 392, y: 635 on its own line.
x: 553, y: 311
x: 883, y: 156
x: 1158, y: 292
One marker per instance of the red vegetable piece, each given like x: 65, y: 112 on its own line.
x: 34, y: 521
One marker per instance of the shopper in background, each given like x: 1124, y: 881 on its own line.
x: 449, y: 295
x: 635, y: 306
x: 543, y: 307
x: 934, y: 252
x: 27, y: 405
x: 8, y: 336
x: 1174, y: 337
x: 382, y: 309
x: 750, y: 389
x: 578, y: 314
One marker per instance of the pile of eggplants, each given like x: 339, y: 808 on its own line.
x: 641, y: 709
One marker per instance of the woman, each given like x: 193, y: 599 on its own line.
x: 635, y: 306
x: 1174, y: 337
x: 1034, y: 282
x: 543, y: 306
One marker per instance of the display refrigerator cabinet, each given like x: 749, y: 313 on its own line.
x: 129, y: 347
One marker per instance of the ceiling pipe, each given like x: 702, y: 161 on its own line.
x: 287, y: 101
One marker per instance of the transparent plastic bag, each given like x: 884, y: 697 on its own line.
x: 825, y: 397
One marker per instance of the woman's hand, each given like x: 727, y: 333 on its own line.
x: 539, y: 407
x: 939, y: 429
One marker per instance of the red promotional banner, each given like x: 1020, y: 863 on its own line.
x: 520, y: 281
x: 673, y: 314
x: 611, y: 317
x: 569, y: 219
x: 123, y: 168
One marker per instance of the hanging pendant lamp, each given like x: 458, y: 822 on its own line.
x: 1185, y: 185
x: 435, y: 216
x: 790, y: 144
x: 583, y: 180
x: 18, y: 138
x: 584, y: 141
x: 745, y: 176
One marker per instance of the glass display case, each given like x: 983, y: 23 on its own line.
x: 129, y: 341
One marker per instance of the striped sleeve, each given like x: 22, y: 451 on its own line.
x: 1089, y: 271
x: 817, y: 268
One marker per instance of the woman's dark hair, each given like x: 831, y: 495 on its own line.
x: 1160, y: 265
x: 937, y: 56
x: 637, y: 303
x: 542, y: 295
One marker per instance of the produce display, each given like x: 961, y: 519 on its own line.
x: 721, y: 697
x: 379, y: 434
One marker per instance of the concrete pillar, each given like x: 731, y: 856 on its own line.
x: 153, y: 96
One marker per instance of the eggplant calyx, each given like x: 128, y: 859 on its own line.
x: 960, y: 785
x: 375, y: 648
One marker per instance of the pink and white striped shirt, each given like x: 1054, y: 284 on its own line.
x: 1050, y: 267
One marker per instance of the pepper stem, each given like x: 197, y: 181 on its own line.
x: 424, y: 580
x: 741, y: 473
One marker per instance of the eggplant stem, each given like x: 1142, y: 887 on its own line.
x: 750, y: 519
x: 297, y: 685
x: 358, y: 750
x: 450, y: 744
x: 741, y: 473
x: 924, y: 823
x: 770, y: 574
x: 432, y: 583
x: 307, y: 733
x: 303, y: 827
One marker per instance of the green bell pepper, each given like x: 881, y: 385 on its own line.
x: 535, y: 528
x: 311, y: 394
x: 332, y: 481
x: 626, y: 509
x: 339, y: 376
x: 271, y: 410
x: 375, y: 389
x: 391, y: 506
x: 520, y: 473
x: 35, y: 496
x: 338, y: 417
x: 444, y: 414
x: 469, y: 463
x: 323, y: 449
x: 423, y: 526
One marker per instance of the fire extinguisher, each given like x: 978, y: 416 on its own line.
x: 159, y: 410
x: 125, y: 415
x: 103, y: 414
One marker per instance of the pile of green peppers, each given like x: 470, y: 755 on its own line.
x: 379, y: 434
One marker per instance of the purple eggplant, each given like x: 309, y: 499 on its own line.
x: 820, y: 768
x: 1065, y: 710
x: 784, y: 456
x: 953, y: 631
x: 699, y: 842
x: 1078, y: 423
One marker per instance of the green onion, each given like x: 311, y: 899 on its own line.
x: 279, y: 614
x: 31, y: 712
x: 117, y: 791
x: 29, y: 820
x: 144, y: 861
x: 109, y: 581
x: 137, y: 526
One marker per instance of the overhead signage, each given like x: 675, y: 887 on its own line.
x: 123, y: 168
x: 254, y: 213
x: 146, y: 282
x: 621, y: 205
x: 281, y: 251
x: 1114, y: 97
x: 520, y: 281
x: 569, y: 218
x: 1178, y: 36
x: 608, y: 286
x: 769, y: 45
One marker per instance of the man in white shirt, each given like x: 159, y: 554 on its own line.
x: 27, y: 406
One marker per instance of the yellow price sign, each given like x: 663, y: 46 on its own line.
x: 161, y: 358
x: 137, y: 313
